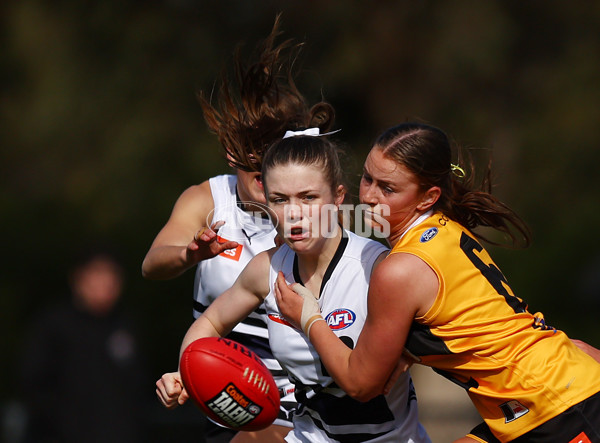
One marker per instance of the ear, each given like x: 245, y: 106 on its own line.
x: 340, y: 194
x: 429, y: 198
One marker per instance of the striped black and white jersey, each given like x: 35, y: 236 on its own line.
x: 324, y: 412
x: 254, y: 233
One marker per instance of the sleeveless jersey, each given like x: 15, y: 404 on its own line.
x: 518, y: 371
x: 254, y: 234
x: 324, y: 412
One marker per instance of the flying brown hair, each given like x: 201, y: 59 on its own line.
x: 254, y: 110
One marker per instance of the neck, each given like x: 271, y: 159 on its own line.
x: 398, y: 231
x: 312, y: 266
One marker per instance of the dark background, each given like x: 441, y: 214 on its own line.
x: 100, y: 131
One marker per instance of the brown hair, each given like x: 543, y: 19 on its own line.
x: 426, y: 151
x: 306, y: 150
x: 261, y: 104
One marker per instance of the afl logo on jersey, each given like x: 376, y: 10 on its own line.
x: 340, y: 319
x: 428, y: 235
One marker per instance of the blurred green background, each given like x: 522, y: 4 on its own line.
x: 100, y: 130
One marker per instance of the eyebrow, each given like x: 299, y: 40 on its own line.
x: 304, y: 192
x: 379, y: 181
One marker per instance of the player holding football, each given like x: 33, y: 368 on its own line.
x: 246, y: 120
x: 440, y: 294
x: 303, y: 184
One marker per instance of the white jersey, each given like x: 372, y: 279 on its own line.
x: 324, y: 412
x: 254, y: 234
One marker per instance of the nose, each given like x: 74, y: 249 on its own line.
x: 293, y: 212
x: 367, y: 194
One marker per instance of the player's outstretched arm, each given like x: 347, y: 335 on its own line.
x: 230, y: 308
x: 235, y: 304
x: 188, y: 237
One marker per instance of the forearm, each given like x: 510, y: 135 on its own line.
x: 165, y: 262
x: 341, y: 363
x: 201, y: 328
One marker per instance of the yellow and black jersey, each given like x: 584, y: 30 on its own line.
x: 518, y: 371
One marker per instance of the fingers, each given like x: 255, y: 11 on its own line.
x: 302, y: 291
x: 407, y: 359
x: 279, y: 283
x: 396, y: 373
x: 169, y: 390
x: 206, y: 233
x: 412, y: 358
x: 183, y: 397
x: 225, y: 246
x: 210, y: 238
x: 199, y: 234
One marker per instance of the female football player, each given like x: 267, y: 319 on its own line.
x: 440, y: 295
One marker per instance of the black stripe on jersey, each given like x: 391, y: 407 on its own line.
x: 258, y: 345
x: 346, y: 410
x: 421, y: 341
x: 335, y: 411
x: 339, y: 252
x: 471, y: 383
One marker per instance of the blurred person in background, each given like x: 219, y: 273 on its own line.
x: 82, y: 375
x: 249, y: 114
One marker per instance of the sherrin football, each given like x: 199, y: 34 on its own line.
x: 229, y: 383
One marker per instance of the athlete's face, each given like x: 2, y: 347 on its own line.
x: 304, y: 204
x: 393, y: 194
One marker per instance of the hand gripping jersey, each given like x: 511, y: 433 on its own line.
x: 518, y: 372
x: 254, y: 233
x: 324, y: 412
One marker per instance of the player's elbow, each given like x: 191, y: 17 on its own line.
x: 364, y: 392
x: 150, y: 272
x: 364, y: 396
x: 147, y: 271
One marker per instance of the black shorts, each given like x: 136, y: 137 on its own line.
x: 578, y: 424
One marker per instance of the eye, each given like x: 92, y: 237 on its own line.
x: 365, y: 178
x: 277, y: 200
x: 309, y: 197
x: 387, y: 190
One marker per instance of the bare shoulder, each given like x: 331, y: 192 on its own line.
x: 405, y: 279
x: 196, y: 200
x: 191, y: 213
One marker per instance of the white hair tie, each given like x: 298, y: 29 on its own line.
x: 312, y: 132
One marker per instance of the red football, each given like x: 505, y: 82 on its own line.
x: 229, y: 383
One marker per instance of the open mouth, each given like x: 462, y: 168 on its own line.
x: 297, y: 233
x: 259, y: 182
